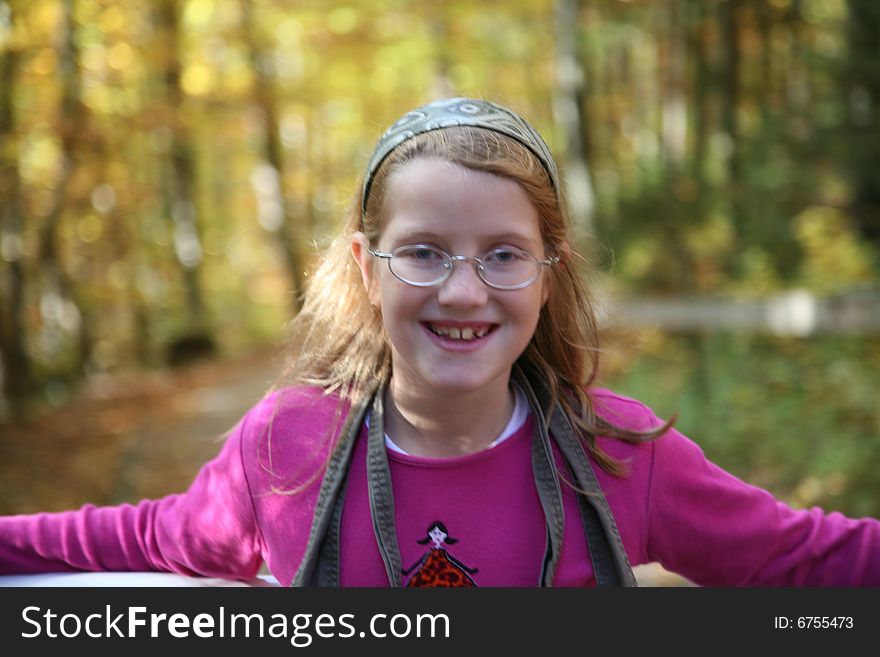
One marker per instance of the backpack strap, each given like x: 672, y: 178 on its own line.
x: 381, y: 493
x: 549, y: 491
x: 320, y: 562
x: 610, y: 563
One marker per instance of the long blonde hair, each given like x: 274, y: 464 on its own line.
x: 338, y: 341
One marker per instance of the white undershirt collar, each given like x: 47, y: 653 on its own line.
x: 517, y: 419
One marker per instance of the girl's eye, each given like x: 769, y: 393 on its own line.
x: 421, y: 253
x: 502, y: 256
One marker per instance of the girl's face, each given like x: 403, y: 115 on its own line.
x: 463, y: 212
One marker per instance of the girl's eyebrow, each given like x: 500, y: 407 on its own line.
x: 429, y: 236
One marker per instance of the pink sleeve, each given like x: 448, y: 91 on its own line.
x: 210, y: 530
x: 716, y: 530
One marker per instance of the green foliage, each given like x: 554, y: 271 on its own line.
x: 799, y: 417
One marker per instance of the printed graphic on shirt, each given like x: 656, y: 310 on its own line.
x: 438, y: 568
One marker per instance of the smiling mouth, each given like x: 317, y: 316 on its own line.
x: 465, y: 333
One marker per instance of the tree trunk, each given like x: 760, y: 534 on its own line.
x: 674, y: 109
x: 179, y: 189
x: 181, y: 176
x: 71, y: 126
x: 16, y: 365
x: 797, y: 85
x: 766, y: 90
x: 275, y: 210
x: 863, y: 114
x: 568, y: 108
x: 699, y: 58
x: 730, y: 97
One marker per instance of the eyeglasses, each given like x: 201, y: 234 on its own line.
x: 507, y: 268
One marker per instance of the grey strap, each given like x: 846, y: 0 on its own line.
x: 328, y: 567
x: 381, y: 494
x: 549, y: 490
x: 320, y: 563
x: 610, y: 563
x: 316, y: 567
x: 594, y: 506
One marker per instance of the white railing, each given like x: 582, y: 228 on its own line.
x: 120, y: 579
x: 797, y: 313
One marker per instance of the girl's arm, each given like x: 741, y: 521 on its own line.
x: 210, y: 530
x: 714, y: 529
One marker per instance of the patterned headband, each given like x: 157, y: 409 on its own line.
x: 451, y: 112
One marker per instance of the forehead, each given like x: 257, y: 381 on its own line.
x: 449, y: 200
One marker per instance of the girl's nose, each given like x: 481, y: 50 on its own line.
x: 464, y: 287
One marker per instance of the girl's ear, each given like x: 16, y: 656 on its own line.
x: 359, y: 246
x: 564, y: 251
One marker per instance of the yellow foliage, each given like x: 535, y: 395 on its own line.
x: 711, y: 238
x: 94, y: 58
x: 758, y: 274
x: 114, y: 19
x: 44, y: 62
x: 89, y: 228
x: 120, y: 56
x: 342, y: 20
x: 198, y: 79
x: 39, y: 156
x: 639, y: 258
x: 237, y: 77
x: 833, y: 256
x: 96, y: 98
x: 383, y: 79
x: 198, y: 12
x: 289, y: 32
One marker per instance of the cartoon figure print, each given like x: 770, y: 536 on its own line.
x: 437, y: 568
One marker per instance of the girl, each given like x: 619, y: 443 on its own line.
x: 441, y: 427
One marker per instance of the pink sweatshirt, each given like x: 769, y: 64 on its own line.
x: 477, y: 516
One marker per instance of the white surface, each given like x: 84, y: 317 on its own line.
x: 115, y: 579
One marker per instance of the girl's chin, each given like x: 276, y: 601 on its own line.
x: 448, y: 375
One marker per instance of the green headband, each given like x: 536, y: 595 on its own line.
x: 451, y: 112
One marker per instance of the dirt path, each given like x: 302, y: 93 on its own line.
x: 126, y: 437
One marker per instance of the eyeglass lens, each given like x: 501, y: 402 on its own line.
x: 505, y: 267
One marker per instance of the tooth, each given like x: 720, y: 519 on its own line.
x: 454, y: 333
x: 480, y: 333
x: 467, y: 334
x: 439, y: 330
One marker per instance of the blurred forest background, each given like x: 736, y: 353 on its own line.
x: 169, y: 170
